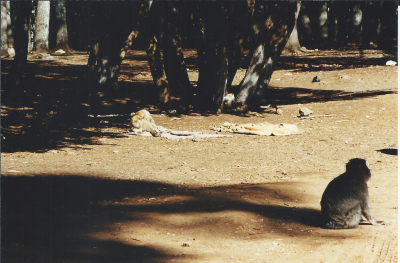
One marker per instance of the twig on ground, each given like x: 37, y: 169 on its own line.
x: 314, y: 116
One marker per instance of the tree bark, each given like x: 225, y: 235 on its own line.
x: 111, y: 38
x: 212, y: 54
x: 271, y: 34
x: 152, y: 33
x: 293, y: 44
x: 61, y: 25
x: 42, y: 27
x: 174, y: 63
x: 21, y: 11
x: 31, y: 31
x: 7, y: 40
x: 355, y: 34
x: 323, y: 25
x: 4, y: 28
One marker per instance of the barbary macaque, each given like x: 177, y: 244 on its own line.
x: 346, y: 199
x: 143, y: 121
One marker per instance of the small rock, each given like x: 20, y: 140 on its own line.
x: 59, y: 52
x: 315, y: 79
x: 279, y: 111
x: 391, y: 63
x: 305, y: 112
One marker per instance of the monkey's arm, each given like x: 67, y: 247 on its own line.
x: 150, y: 127
x: 367, y: 213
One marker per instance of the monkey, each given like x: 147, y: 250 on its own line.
x: 140, y: 115
x: 346, y: 200
x: 143, y: 121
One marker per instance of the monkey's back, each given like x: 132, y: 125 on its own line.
x: 342, y: 201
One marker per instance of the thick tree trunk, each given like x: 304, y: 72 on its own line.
x: 7, y: 40
x: 152, y: 30
x: 271, y: 33
x: 41, y: 44
x: 213, y: 54
x: 224, y: 52
x: 109, y: 45
x: 370, y: 25
x: 202, y: 50
x: 21, y: 11
x: 387, y: 36
x: 61, y: 27
x: 239, y: 24
x: 293, y: 44
x: 174, y: 63
x: 355, y: 34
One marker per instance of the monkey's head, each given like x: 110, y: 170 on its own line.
x: 136, y: 123
x: 358, y: 166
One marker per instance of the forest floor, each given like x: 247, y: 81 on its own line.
x: 82, y: 190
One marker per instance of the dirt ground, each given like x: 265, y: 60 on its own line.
x: 88, y: 192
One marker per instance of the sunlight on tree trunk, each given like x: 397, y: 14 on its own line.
x: 4, y: 27
x: 293, y: 44
x: 272, y: 32
x: 42, y: 27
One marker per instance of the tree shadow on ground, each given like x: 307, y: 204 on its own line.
x: 335, y: 60
x: 326, y: 60
x: 59, y: 106
x: 297, y: 95
x: 389, y: 151
x: 47, y: 218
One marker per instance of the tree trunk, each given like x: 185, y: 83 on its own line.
x: 61, y: 25
x: 174, y: 63
x: 152, y: 31
x: 355, y: 34
x: 293, y: 44
x: 111, y: 39
x: 213, y: 54
x: 42, y: 27
x: 387, y: 37
x: 272, y: 31
x: 4, y: 28
x: 323, y: 25
x: 107, y: 49
x: 31, y: 31
x: 240, y: 22
x: 370, y: 25
x: 7, y: 40
x: 21, y: 11
x: 305, y: 31
x: 225, y: 56
x: 201, y: 53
